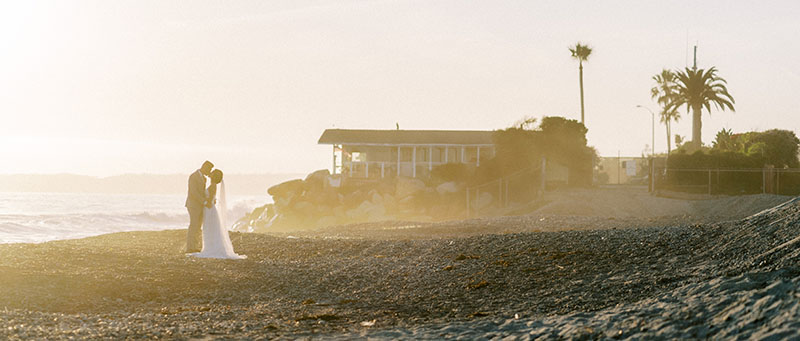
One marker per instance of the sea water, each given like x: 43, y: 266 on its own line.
x: 40, y: 217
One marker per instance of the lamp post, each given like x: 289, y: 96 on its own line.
x: 653, y: 131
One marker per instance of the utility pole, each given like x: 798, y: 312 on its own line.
x: 686, y: 56
x: 580, y: 68
x: 619, y: 166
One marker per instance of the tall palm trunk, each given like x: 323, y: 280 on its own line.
x: 697, y: 126
x: 669, y: 135
x: 580, y: 71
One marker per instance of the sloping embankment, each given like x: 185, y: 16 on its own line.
x: 750, y: 290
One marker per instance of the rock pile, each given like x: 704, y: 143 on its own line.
x: 322, y: 199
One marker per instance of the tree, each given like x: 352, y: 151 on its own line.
x: 779, y: 147
x: 557, y: 139
x: 697, y: 89
x: 726, y: 141
x: 525, y: 123
x: 664, y: 93
x: 581, y: 53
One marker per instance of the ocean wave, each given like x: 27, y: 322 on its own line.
x: 40, y: 217
x: 40, y: 228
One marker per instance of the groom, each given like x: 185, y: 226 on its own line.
x: 195, y: 201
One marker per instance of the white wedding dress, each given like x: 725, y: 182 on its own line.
x: 216, y: 242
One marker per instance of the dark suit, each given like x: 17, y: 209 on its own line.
x: 195, y: 200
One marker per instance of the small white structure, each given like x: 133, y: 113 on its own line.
x: 373, y: 154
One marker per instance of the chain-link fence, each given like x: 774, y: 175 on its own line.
x: 784, y: 181
x: 519, y: 187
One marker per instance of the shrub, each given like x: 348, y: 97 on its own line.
x: 751, y: 150
x: 450, y: 172
x: 557, y: 139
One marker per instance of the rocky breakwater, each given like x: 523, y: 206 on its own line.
x: 322, y: 199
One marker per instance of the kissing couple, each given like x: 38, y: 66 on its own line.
x: 201, y: 202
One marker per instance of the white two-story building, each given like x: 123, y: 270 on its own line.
x: 374, y: 154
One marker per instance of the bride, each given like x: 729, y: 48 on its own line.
x: 216, y: 242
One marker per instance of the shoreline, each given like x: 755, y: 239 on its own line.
x: 26, y: 217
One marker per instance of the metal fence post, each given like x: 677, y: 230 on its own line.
x: 655, y: 171
x: 477, y: 198
x: 544, y: 175
x: 467, y: 202
x: 652, y: 175
x: 500, y: 192
x: 506, y: 197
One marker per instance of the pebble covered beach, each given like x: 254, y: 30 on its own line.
x: 524, y: 277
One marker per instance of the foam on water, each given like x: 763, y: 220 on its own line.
x: 40, y: 217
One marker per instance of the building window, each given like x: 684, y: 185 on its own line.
x: 358, y: 157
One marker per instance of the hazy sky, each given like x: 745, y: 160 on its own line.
x: 110, y: 87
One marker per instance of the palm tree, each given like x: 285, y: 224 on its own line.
x: 700, y: 88
x: 664, y: 93
x: 581, y: 53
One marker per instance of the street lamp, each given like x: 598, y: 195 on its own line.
x: 653, y: 132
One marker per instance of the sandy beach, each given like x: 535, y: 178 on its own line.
x: 528, y: 277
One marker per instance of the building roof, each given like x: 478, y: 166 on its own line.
x: 410, y: 137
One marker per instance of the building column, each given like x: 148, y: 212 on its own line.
x: 446, y: 157
x: 478, y: 164
x: 382, y: 167
x: 462, y: 155
x: 366, y: 163
x: 414, y: 163
x: 333, y: 170
x: 430, y: 158
x: 398, y: 160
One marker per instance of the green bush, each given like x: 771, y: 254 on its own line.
x: 450, y: 172
x: 557, y: 139
x: 747, y: 151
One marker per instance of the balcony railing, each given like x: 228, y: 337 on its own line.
x: 385, y: 169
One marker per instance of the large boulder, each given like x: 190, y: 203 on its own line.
x: 317, y: 180
x: 406, y: 187
x: 447, y: 188
x: 367, y: 211
x: 375, y: 197
x: 340, y: 213
x: 262, y: 213
x: 255, y: 219
x: 304, y: 208
x: 283, y: 203
x: 376, y: 212
x: 322, y: 210
x: 335, y: 181
x: 267, y: 225
x: 354, y: 198
x: 287, y: 189
x: 327, y: 197
x: 390, y: 203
